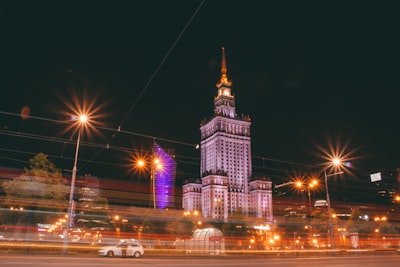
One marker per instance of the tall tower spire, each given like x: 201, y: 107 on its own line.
x: 224, y: 77
x: 224, y: 102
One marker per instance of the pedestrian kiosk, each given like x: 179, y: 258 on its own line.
x: 206, y: 241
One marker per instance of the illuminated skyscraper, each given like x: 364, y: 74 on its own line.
x: 164, y: 180
x: 226, y: 185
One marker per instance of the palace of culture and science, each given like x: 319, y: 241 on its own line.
x: 226, y: 186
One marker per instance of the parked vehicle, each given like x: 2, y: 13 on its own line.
x: 133, y: 249
x: 321, y: 203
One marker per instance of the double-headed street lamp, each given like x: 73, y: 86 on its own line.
x: 155, y: 165
x: 312, y: 184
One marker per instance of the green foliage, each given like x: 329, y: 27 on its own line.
x: 355, y: 214
x: 41, y: 166
x: 295, y: 224
x: 237, y: 225
x: 356, y: 224
x: 180, y: 227
x: 40, y: 192
x: 235, y: 228
x: 388, y: 228
x: 41, y: 180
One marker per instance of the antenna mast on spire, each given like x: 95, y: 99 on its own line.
x: 224, y: 76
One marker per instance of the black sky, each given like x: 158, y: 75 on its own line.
x: 306, y: 73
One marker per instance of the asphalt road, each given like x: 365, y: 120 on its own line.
x: 64, y: 261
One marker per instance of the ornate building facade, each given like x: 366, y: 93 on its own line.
x: 226, y: 185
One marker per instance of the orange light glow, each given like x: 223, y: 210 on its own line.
x: 82, y: 111
x: 336, y: 161
x: 83, y: 118
x: 140, y: 163
x: 338, y: 156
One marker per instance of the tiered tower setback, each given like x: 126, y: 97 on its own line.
x: 226, y: 184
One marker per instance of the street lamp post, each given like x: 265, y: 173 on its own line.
x: 73, y: 178
x: 309, y: 196
x: 153, y: 190
x: 328, y: 200
x: 82, y: 120
x: 311, y: 185
x: 155, y: 165
x: 329, y: 210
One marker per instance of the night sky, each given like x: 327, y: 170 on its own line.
x: 309, y: 74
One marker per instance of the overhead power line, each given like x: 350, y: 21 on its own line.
x: 284, y: 166
x: 119, y: 129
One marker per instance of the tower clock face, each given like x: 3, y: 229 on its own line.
x: 226, y: 92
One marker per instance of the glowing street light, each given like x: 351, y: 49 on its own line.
x: 81, y: 121
x: 312, y: 184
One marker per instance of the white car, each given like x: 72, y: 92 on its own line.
x: 133, y: 249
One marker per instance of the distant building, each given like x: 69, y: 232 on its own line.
x: 87, y: 189
x: 226, y: 185
x: 164, y: 180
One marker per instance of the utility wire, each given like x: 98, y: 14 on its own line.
x: 98, y: 128
x: 159, y: 66
x: 286, y: 162
x: 129, y: 150
x: 150, y: 81
x: 180, y: 158
x: 35, y: 117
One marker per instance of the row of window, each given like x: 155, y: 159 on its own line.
x: 235, y: 188
x: 227, y: 127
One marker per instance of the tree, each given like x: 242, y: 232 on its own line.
x: 357, y: 224
x: 42, y: 180
x: 320, y: 222
x: 236, y: 225
x: 38, y: 190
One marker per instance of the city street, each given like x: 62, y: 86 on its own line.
x: 59, y: 261
x: 199, y: 133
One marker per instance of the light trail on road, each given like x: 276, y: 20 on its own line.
x: 209, y: 261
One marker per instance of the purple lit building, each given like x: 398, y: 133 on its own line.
x: 164, y: 180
